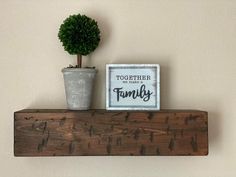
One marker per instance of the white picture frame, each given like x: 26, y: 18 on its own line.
x: 133, y: 87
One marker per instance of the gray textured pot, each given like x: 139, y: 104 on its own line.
x: 78, y: 87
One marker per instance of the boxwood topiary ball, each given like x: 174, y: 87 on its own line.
x: 79, y: 34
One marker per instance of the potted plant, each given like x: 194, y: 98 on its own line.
x: 80, y: 36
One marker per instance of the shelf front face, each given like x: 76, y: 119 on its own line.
x: 101, y: 132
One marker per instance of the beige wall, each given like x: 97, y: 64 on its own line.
x: 194, y: 41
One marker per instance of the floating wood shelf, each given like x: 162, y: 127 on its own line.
x: 101, y: 132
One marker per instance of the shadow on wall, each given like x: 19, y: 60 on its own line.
x: 215, y: 131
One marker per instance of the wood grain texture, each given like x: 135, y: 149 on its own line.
x: 101, y: 132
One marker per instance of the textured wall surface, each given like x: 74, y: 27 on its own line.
x: 193, y: 41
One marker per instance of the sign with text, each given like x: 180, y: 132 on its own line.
x: 132, y: 86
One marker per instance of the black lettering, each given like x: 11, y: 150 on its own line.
x: 142, y: 93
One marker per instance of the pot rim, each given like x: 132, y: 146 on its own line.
x: 79, y: 70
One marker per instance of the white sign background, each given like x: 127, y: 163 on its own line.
x: 133, y: 87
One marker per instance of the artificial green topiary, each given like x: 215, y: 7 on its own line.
x: 79, y: 35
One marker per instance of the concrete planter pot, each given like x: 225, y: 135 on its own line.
x: 79, y: 87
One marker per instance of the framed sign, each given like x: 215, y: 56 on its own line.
x: 132, y: 86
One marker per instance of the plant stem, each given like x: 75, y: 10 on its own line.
x: 79, y: 61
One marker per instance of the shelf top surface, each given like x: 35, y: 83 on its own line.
x: 104, y: 110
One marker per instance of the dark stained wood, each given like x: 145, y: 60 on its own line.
x: 79, y: 61
x: 101, y: 132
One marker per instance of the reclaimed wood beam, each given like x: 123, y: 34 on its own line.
x: 101, y: 132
